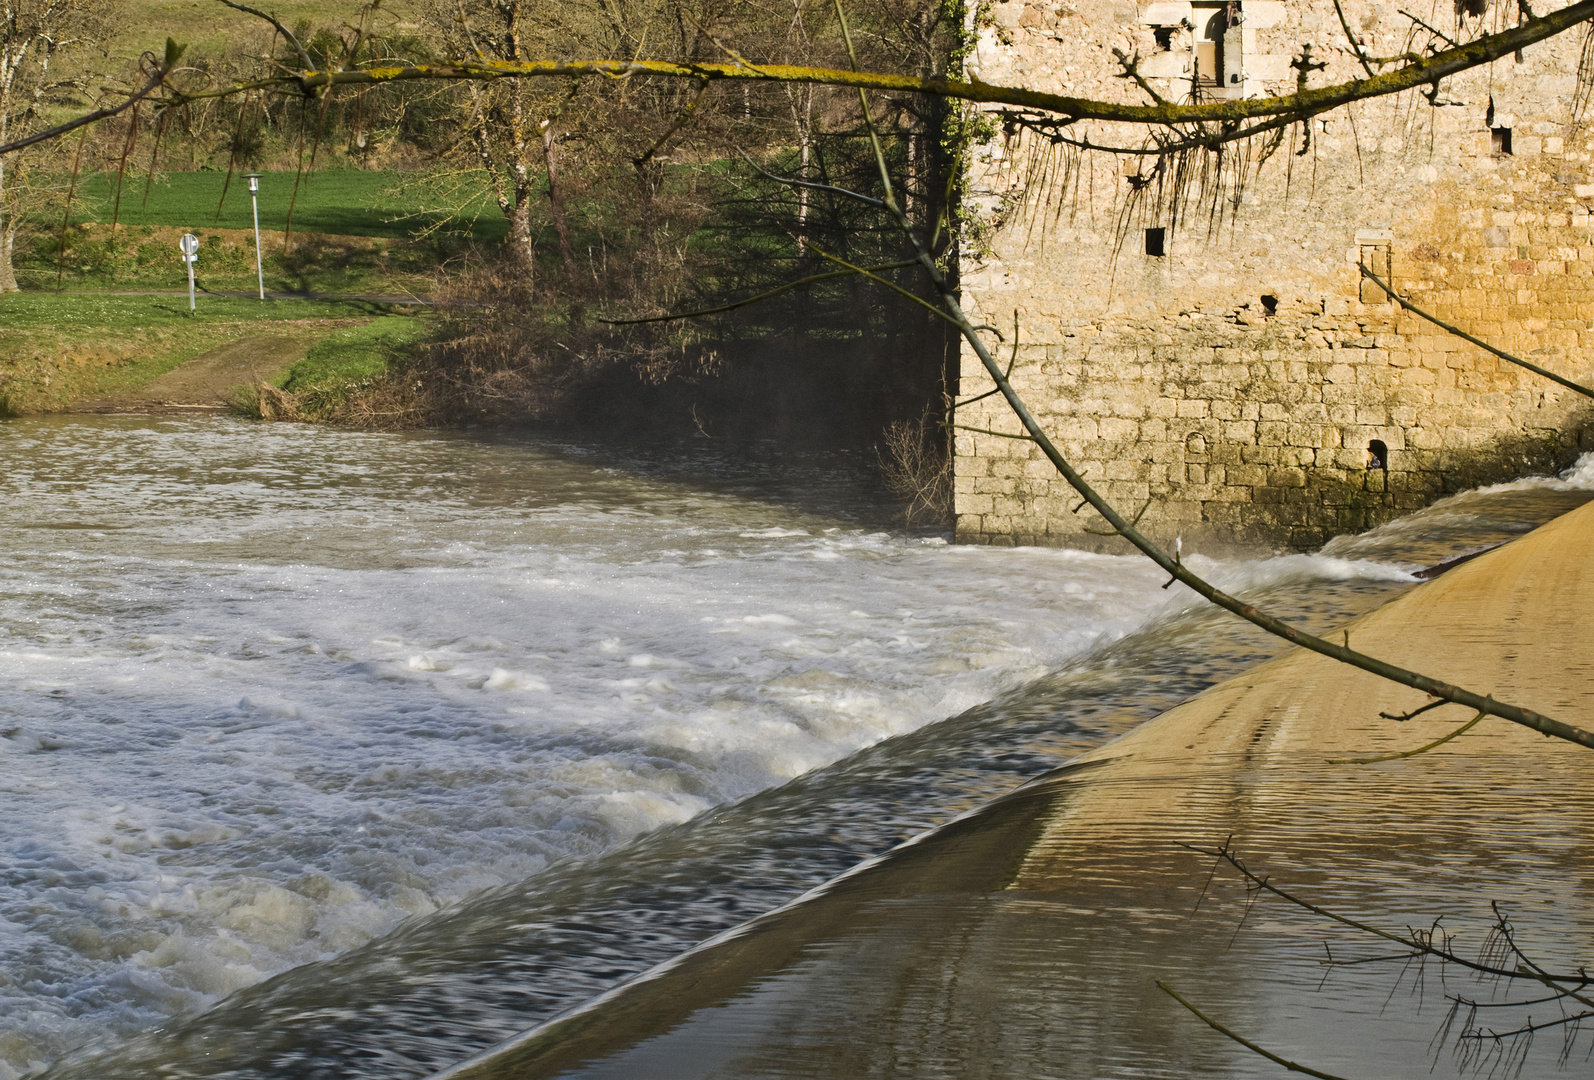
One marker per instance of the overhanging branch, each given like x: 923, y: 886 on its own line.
x: 1305, y: 103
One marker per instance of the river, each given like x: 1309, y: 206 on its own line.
x: 340, y: 754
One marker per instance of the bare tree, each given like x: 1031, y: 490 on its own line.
x: 35, y: 37
x: 515, y: 131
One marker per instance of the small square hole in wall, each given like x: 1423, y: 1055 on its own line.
x: 1164, y: 36
x: 1500, y: 140
x: 1156, y: 241
x: 1378, y: 455
x: 1270, y: 306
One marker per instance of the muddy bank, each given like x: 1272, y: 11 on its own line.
x: 210, y: 382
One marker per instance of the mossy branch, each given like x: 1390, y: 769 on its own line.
x: 1483, y: 50
x: 1292, y: 1066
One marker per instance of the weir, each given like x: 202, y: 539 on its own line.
x: 1197, y: 332
x: 1028, y: 938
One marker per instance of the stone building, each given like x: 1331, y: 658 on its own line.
x: 1213, y: 354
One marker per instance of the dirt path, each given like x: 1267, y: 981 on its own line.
x: 205, y: 383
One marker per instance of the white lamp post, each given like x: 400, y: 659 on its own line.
x: 254, y: 199
x: 189, y: 245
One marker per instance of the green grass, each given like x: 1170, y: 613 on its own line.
x: 353, y: 355
x: 347, y: 236
x: 58, y: 348
x: 64, y: 313
x: 344, y: 202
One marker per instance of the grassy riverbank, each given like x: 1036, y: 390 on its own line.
x: 61, y: 348
x: 341, y: 378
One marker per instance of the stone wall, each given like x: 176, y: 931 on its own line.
x: 1247, y: 386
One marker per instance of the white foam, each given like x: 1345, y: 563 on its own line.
x: 1581, y: 474
x: 1579, y: 477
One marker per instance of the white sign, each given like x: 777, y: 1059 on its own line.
x: 189, y: 244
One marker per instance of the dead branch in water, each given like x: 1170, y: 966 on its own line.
x: 1502, y: 1047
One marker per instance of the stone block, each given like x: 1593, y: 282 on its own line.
x: 1273, y: 433
x: 1117, y: 429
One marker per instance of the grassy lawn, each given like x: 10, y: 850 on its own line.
x: 56, y: 348
x: 349, y: 235
x: 344, y: 202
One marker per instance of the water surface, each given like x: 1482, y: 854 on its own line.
x: 338, y: 754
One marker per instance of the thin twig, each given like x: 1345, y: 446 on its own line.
x: 838, y: 260
x: 1133, y: 521
x: 988, y: 431
x: 1448, y: 40
x: 790, y: 285
x: 791, y: 182
x: 1462, y: 730
x: 1292, y: 1066
x: 304, y: 54
x: 1355, y: 45
x: 1415, y: 712
x: 66, y: 213
x: 87, y: 118
x: 682, y: 118
x: 1547, y: 978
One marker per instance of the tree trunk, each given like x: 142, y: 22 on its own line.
x: 556, y: 202
x: 8, y: 239
x: 521, y: 248
x: 514, y: 202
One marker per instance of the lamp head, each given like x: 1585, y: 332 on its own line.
x: 254, y: 181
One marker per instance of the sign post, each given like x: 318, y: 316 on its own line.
x: 190, y: 248
x: 254, y: 199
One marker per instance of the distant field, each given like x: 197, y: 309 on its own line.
x: 346, y: 202
x: 350, y: 234
x: 208, y: 27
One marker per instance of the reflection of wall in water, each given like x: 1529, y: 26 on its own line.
x: 1236, y: 376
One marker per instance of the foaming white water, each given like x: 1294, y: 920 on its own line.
x: 1579, y: 477
x: 266, y: 691
x: 1581, y: 474
x: 1406, y: 533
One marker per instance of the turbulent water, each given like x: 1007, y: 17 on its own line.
x: 401, y: 717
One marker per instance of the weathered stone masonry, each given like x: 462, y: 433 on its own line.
x: 1247, y: 386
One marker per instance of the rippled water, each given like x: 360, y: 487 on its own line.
x: 401, y: 717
